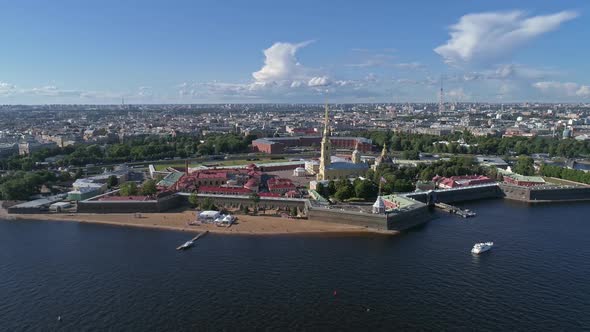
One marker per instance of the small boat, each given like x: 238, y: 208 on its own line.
x: 478, y: 248
x: 186, y: 245
x: 468, y: 213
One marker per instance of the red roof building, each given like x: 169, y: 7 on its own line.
x: 280, y: 186
x: 461, y: 181
x: 224, y: 190
x: 124, y: 198
x: 269, y: 195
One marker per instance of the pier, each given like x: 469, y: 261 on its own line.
x: 192, y: 241
x: 465, y: 213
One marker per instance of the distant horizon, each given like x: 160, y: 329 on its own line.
x: 586, y: 104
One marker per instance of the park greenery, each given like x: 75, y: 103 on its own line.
x: 525, y: 165
x: 400, y: 179
x: 136, y: 149
x: 193, y: 200
x: 25, y: 175
x: 22, y: 185
x: 565, y: 173
x: 208, y: 204
x: 411, y: 144
x: 128, y: 188
x: 148, y: 188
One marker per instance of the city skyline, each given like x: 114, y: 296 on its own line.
x: 258, y: 52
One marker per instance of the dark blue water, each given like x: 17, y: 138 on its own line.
x: 112, y: 278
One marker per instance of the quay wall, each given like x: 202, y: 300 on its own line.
x: 515, y: 193
x: 151, y: 206
x: 265, y: 202
x: 458, y: 194
x: 398, y: 221
x: 545, y: 193
x: 560, y: 194
x: 335, y: 215
x: 409, y: 219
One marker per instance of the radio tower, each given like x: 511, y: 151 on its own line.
x: 441, y: 103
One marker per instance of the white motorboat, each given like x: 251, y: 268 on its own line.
x: 478, y: 248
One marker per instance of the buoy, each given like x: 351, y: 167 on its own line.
x: 335, y: 293
x: 59, y: 318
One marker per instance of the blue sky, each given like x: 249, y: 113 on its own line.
x: 293, y: 51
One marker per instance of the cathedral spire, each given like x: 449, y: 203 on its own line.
x: 384, y: 151
x: 326, y: 150
x: 326, y: 123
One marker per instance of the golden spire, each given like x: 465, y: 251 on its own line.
x: 384, y: 151
x: 326, y: 122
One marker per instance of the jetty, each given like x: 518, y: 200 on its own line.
x: 465, y: 213
x: 192, y: 241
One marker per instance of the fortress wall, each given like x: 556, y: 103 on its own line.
x: 117, y: 207
x: 408, y: 219
x: 160, y: 205
x: 517, y: 193
x: 552, y: 194
x: 460, y: 194
x: 375, y: 221
x: 559, y: 194
x: 265, y: 202
x: 399, y: 221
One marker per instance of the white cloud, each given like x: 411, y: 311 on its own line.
x: 6, y: 89
x: 410, y: 65
x: 561, y: 89
x: 488, y: 35
x: 281, y: 65
x: 52, y: 91
x: 428, y: 81
x: 583, y: 91
x: 145, y: 92
x: 374, y: 60
x: 319, y: 81
x: 56, y: 94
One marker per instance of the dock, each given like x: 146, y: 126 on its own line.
x: 192, y: 241
x: 465, y: 213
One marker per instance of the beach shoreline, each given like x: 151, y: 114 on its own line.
x: 179, y: 221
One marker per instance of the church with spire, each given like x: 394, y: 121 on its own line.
x: 383, y: 159
x: 333, y: 168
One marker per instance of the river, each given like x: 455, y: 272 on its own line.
x: 99, y: 277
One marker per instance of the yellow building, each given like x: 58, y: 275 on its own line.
x: 383, y: 159
x: 329, y: 170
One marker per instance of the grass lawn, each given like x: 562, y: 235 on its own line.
x: 237, y: 162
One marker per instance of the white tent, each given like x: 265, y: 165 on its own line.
x: 208, y: 215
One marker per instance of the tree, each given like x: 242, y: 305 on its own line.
x: 331, y: 188
x: 193, y: 200
x: 255, y: 198
x: 149, y: 188
x: 411, y: 155
x: 208, y: 204
x: 128, y: 189
x: 524, y: 166
x: 365, y: 189
x: 112, y: 181
x: 345, y: 190
x: 321, y: 189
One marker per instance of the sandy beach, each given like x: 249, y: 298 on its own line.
x: 246, y: 224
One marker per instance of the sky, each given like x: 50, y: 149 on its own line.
x: 101, y: 52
